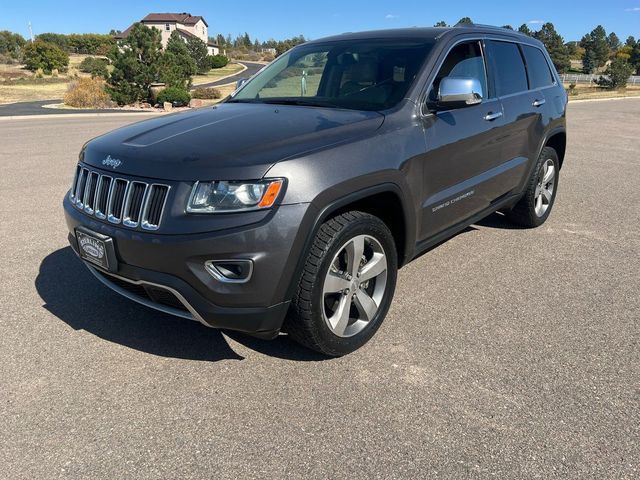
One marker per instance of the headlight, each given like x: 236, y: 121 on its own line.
x: 219, y: 197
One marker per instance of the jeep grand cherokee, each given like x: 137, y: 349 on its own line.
x: 291, y: 205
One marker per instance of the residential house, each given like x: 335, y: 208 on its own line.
x: 186, y: 24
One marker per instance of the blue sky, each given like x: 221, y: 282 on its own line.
x: 314, y: 19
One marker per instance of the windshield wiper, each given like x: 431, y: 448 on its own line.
x: 287, y: 101
x: 300, y: 101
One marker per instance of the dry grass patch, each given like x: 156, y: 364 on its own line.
x: 586, y: 92
x: 11, y: 92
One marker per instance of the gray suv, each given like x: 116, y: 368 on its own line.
x: 291, y: 205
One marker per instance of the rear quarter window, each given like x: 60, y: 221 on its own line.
x: 508, y: 68
x: 537, y: 67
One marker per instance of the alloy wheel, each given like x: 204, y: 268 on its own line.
x: 546, y: 185
x: 354, y: 286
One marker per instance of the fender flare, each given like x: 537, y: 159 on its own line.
x: 325, y: 212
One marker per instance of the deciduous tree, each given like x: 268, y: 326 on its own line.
x: 44, y: 55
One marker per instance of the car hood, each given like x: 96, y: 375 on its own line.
x: 231, y: 141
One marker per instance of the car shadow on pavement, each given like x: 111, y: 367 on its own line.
x: 499, y: 221
x: 72, y: 294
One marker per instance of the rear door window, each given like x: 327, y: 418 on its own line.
x: 537, y: 67
x: 508, y: 68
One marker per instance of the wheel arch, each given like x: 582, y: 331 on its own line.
x: 383, y: 201
x: 558, y: 141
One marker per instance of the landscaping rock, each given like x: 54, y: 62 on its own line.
x: 145, y: 105
x: 168, y: 106
x: 195, y: 103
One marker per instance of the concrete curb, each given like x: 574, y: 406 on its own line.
x: 601, y: 99
x: 82, y: 115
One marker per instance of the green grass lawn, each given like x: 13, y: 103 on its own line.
x: 216, y: 73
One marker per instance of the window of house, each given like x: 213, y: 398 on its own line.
x: 167, y: 27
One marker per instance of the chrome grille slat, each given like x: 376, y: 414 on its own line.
x: 154, y: 206
x: 74, y: 185
x: 82, y: 182
x: 90, y: 192
x: 102, y: 196
x: 116, y: 202
x: 132, y: 203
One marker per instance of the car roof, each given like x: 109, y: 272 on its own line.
x: 429, y: 33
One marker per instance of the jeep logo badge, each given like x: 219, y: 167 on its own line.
x: 111, y: 162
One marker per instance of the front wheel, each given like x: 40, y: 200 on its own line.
x: 347, y: 285
x: 534, y: 207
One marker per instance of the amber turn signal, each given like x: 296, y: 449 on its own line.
x: 271, y: 194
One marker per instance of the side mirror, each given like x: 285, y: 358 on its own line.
x: 241, y: 82
x: 459, y: 92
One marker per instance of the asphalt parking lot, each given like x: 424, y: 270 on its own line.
x: 507, y: 353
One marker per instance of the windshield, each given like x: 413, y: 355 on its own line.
x: 361, y: 75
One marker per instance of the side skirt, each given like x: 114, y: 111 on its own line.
x: 431, y: 242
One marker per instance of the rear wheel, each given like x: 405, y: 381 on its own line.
x: 534, y: 207
x: 347, y: 285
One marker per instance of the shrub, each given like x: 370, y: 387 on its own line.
x: 135, y: 65
x: 206, y: 93
x: 198, y: 51
x: 572, y: 89
x: 618, y: 72
x: 46, y: 56
x: 178, y: 97
x: 87, y: 93
x: 97, y: 67
x: 176, y: 65
x: 218, y: 61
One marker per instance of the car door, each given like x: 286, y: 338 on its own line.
x: 522, y: 114
x: 462, y: 145
x: 549, y: 98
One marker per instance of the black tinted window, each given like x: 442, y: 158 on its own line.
x: 537, y: 67
x: 508, y: 68
x: 464, y: 60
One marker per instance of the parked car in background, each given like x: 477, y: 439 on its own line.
x: 292, y: 205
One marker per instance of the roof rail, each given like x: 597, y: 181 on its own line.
x: 480, y: 25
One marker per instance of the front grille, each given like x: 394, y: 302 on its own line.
x: 132, y: 203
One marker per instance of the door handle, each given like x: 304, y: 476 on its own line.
x: 492, y: 116
x: 538, y: 103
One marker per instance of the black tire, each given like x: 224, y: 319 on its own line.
x: 524, y: 212
x: 305, y: 322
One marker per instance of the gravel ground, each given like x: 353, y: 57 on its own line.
x: 507, y: 353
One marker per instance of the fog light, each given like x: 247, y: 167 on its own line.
x: 230, y: 271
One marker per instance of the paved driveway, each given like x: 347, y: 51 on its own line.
x: 252, y: 69
x: 507, y: 353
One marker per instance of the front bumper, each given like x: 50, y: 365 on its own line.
x: 149, y: 264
